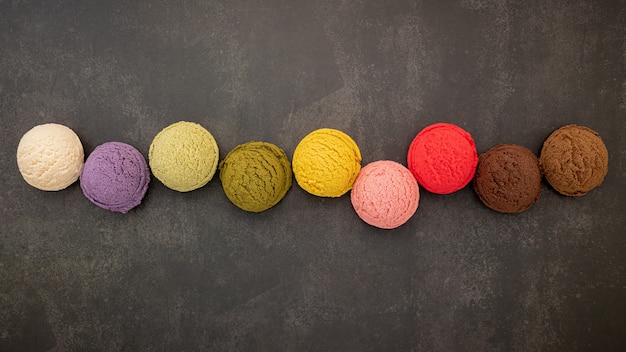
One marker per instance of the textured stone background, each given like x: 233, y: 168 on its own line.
x: 187, y: 272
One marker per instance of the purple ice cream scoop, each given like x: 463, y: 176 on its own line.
x: 115, y: 177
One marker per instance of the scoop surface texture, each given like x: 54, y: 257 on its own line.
x: 443, y: 158
x: 508, y: 178
x: 255, y: 176
x: 326, y: 162
x: 115, y: 177
x: 574, y: 160
x: 50, y: 157
x: 184, y: 156
x: 385, y: 194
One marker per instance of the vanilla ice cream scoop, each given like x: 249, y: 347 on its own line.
x: 50, y: 157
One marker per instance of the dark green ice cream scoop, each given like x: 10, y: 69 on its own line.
x: 255, y: 175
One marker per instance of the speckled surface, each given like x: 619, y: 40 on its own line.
x: 190, y: 271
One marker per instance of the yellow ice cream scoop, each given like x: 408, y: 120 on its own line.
x: 184, y: 156
x: 326, y: 162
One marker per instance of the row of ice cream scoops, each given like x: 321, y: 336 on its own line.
x: 255, y: 176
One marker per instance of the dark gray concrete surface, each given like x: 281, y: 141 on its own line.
x: 189, y: 272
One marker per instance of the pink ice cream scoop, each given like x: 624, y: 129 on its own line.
x: 115, y: 177
x: 385, y: 194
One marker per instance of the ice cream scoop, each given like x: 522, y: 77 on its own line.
x: 508, y: 178
x: 115, y: 177
x: 326, y: 162
x: 443, y: 158
x: 574, y: 160
x: 50, y: 157
x: 184, y: 156
x: 385, y: 194
x: 255, y: 176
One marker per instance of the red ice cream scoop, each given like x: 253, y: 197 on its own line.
x: 443, y: 158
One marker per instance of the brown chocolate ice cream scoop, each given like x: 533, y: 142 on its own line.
x: 508, y: 178
x: 574, y: 160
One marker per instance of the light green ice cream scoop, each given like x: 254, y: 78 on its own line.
x: 255, y: 175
